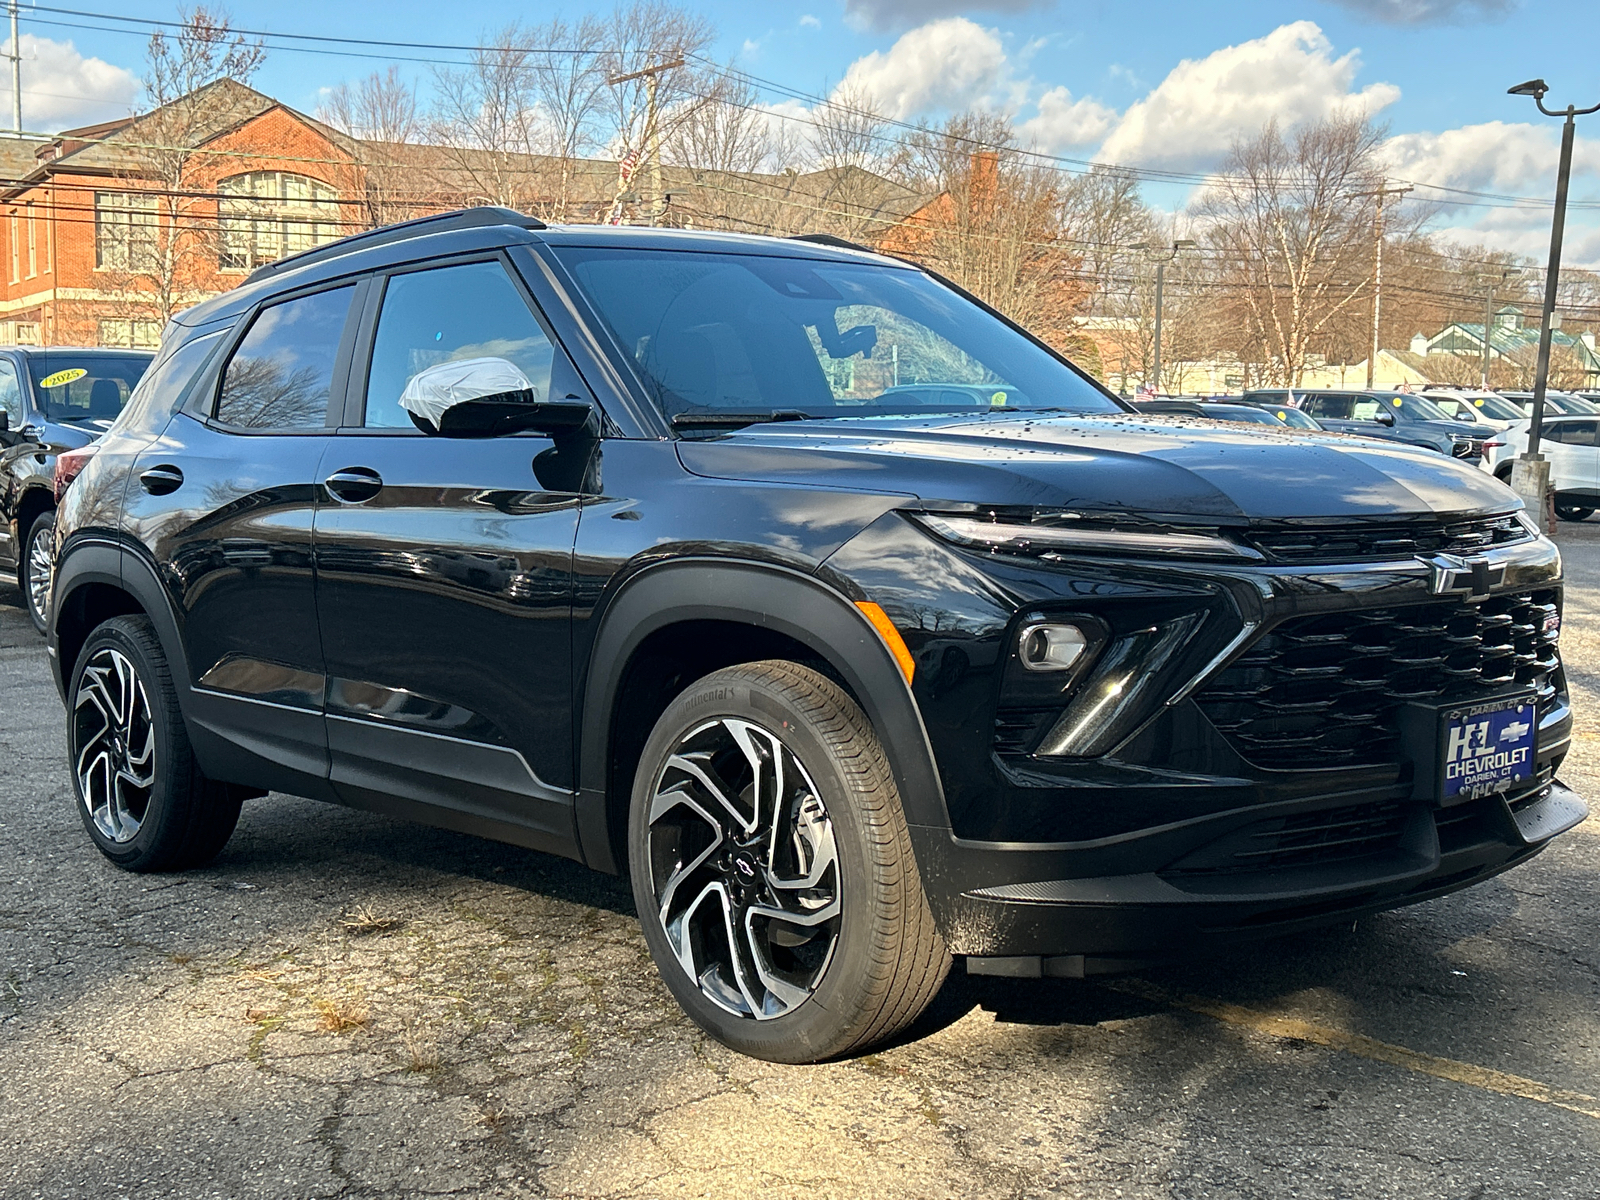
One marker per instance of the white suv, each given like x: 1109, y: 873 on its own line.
x: 1478, y: 407
x: 1571, y: 444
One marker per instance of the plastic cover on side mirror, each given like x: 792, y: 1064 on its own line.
x: 435, y: 390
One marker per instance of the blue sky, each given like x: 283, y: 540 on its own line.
x: 1161, y: 85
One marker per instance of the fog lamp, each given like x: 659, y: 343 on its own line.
x: 1051, y: 647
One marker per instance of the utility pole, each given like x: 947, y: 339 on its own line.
x: 1488, y: 315
x: 16, y: 71
x: 652, y: 131
x: 1530, y: 474
x: 1380, y: 194
x: 1161, y: 256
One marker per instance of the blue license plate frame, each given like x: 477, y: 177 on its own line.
x: 1487, y: 747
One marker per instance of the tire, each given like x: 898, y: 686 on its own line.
x: 1573, y: 512
x: 138, y: 790
x: 1503, y: 474
x: 35, y: 567
x: 862, y: 959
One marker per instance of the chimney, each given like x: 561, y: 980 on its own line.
x: 985, y: 166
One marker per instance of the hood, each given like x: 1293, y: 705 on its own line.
x: 1124, y: 462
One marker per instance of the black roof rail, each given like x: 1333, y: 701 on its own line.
x: 461, y: 218
x: 827, y: 239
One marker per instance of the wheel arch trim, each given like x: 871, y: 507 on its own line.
x: 764, y: 596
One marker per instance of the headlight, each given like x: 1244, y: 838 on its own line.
x: 1051, y: 532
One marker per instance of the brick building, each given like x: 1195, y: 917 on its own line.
x: 106, y: 231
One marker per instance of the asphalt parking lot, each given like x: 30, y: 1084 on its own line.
x: 347, y: 1005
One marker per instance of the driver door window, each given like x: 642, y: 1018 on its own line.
x: 450, y: 315
x: 1328, y: 408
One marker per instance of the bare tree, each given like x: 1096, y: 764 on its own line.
x: 569, y: 90
x: 169, y: 257
x: 486, y: 120
x: 995, y: 227
x: 381, y: 116
x: 1288, y: 216
x: 727, y: 131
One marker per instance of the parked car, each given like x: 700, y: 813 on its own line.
x: 1565, y: 404
x: 1572, y: 446
x: 52, y: 400
x: 1241, y: 413
x: 597, y: 540
x: 1277, y: 403
x: 1395, y: 416
x: 1476, y: 407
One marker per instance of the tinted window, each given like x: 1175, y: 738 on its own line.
x: 747, y: 333
x: 161, y: 386
x: 445, y: 315
x: 282, y: 372
x: 1573, y: 433
x: 10, y: 393
x: 1332, y: 408
x: 85, y: 387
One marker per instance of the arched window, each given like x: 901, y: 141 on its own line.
x: 265, y: 215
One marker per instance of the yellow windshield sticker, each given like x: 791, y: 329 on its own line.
x: 1397, y: 401
x: 62, y: 378
x: 998, y: 400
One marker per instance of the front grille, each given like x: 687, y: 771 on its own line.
x: 1467, y: 448
x: 1355, y: 541
x: 1304, y: 840
x: 1324, y: 691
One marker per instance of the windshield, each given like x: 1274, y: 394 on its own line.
x: 1293, y: 417
x: 1239, y: 412
x: 734, y: 334
x: 1414, y: 407
x: 85, y: 387
x: 1570, y: 404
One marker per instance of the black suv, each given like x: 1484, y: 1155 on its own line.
x: 668, y: 552
x: 51, y: 401
x: 1399, y: 416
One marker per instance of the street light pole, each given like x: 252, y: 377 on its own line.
x: 1381, y: 193
x: 652, y: 131
x: 1161, y: 256
x: 1530, y: 475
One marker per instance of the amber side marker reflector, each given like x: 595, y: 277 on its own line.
x: 891, y: 636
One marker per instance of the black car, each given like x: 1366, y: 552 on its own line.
x: 1246, y: 414
x: 51, y: 401
x: 1396, y: 416
x: 598, y: 541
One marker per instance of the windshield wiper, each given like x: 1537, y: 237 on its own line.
x: 734, y: 420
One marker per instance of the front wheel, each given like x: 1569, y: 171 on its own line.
x: 140, y: 793
x: 773, y: 870
x: 36, y: 567
x: 1573, y: 512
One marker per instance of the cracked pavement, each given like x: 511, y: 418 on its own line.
x: 348, y: 1005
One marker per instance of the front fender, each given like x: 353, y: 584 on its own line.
x: 771, y: 597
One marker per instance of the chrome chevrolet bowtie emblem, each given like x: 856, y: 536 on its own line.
x: 1452, y: 575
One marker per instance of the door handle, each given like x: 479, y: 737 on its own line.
x: 161, y: 480
x: 354, y: 484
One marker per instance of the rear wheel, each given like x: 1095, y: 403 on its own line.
x: 36, y: 566
x: 140, y: 794
x: 773, y: 870
x: 1573, y: 512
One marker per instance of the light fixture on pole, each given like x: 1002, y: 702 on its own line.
x: 1530, y: 474
x: 1160, y: 254
x: 1488, y: 313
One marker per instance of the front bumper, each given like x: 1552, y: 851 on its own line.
x: 1101, y: 925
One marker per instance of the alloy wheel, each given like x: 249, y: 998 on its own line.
x: 38, y: 571
x: 744, y: 868
x: 114, y: 744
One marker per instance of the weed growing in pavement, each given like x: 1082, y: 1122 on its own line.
x: 340, y: 1015
x: 364, y: 922
x: 422, y: 1055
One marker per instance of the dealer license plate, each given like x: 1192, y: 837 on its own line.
x: 1488, y: 747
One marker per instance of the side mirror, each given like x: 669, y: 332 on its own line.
x: 487, y: 397
x: 1383, y: 418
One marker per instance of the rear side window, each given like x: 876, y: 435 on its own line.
x: 281, y: 374
x: 1332, y: 408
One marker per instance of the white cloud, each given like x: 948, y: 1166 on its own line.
x: 810, y: 22
x: 1203, y: 105
x: 1062, y: 122
x: 1518, y: 158
x: 1430, y: 12
x: 944, y: 64
x: 888, y: 15
x: 61, y: 89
